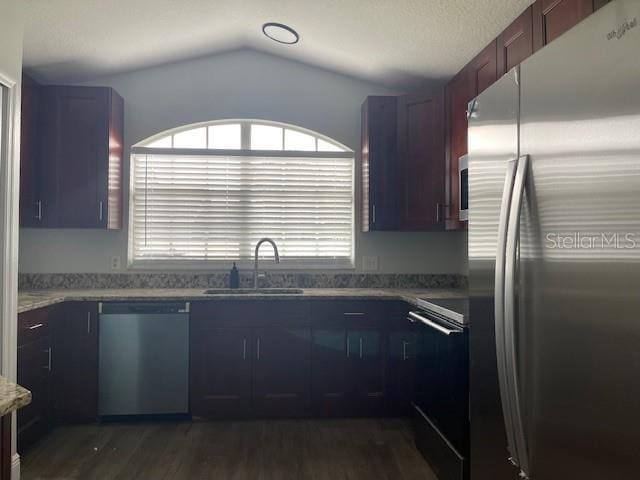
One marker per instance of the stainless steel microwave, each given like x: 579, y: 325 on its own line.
x: 463, y: 187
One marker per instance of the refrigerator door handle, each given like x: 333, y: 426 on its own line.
x: 499, y: 296
x: 521, y: 459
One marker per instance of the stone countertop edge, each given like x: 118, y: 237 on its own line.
x: 34, y: 299
x: 12, y: 396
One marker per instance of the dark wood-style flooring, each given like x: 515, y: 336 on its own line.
x: 362, y: 449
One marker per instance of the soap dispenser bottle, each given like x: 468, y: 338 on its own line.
x: 234, y: 277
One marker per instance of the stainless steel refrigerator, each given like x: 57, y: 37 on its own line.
x: 554, y: 259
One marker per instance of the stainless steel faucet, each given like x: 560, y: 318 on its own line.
x: 255, y: 265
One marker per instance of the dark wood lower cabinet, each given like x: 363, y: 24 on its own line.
x: 404, y: 346
x: 75, y: 360
x: 270, y: 359
x: 365, y: 367
x: 329, y: 378
x: 220, y: 372
x: 34, y: 373
x: 274, y: 360
x: 58, y: 363
x: 5, y: 447
x: 282, y: 372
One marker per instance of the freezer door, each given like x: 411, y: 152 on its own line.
x: 493, y: 151
x: 579, y: 269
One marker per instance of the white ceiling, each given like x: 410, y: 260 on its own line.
x: 395, y: 42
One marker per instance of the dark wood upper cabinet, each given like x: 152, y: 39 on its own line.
x: 483, y: 69
x: 80, y: 158
x: 472, y: 80
x: 515, y: 43
x: 379, y: 163
x: 551, y: 18
x: 75, y: 360
x: 29, y: 135
x: 421, y: 166
x: 403, y: 162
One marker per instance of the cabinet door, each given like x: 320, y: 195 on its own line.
x: 281, y: 371
x: 329, y: 387
x: 404, y: 346
x: 379, y: 163
x: 515, y: 43
x: 220, y: 372
x: 366, y: 372
x: 551, y: 18
x: 75, y: 360
x: 34, y: 371
x: 483, y: 70
x: 472, y: 80
x: 459, y: 92
x: 30, y: 204
x: 75, y: 156
x: 421, y: 161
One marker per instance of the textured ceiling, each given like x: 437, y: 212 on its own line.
x: 395, y: 42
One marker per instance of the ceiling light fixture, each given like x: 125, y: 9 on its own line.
x: 280, y: 33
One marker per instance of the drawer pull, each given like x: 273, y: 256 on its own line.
x: 354, y: 314
x: 36, y: 326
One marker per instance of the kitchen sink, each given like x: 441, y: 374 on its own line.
x: 254, y: 291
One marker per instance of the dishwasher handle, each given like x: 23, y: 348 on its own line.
x: 144, y: 308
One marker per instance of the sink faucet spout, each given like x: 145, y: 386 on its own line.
x: 255, y: 265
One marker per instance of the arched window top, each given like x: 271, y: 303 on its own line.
x: 247, y: 135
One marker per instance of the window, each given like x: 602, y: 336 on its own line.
x: 204, y: 196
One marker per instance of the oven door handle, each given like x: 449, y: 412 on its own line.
x: 413, y: 317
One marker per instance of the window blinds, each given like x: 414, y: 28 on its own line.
x: 216, y: 207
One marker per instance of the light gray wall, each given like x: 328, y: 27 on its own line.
x: 240, y: 84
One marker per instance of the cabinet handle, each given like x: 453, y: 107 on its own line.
x: 48, y: 367
x: 348, y: 349
x: 354, y: 314
x: 258, y: 348
x: 360, y: 347
x: 101, y: 205
x: 404, y: 350
x: 88, y: 322
x: 36, y: 326
x: 244, y: 348
x: 438, y: 212
x: 373, y: 213
x: 39, y: 214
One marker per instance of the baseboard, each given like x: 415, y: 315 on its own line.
x: 15, y: 467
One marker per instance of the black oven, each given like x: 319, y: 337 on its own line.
x: 441, y: 394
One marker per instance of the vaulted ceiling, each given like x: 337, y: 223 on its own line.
x: 393, y: 42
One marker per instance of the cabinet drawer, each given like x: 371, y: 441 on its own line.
x: 33, y: 325
x: 365, y: 313
x: 247, y: 313
x: 338, y: 311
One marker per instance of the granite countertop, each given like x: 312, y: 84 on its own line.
x: 12, y: 396
x: 30, y: 300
